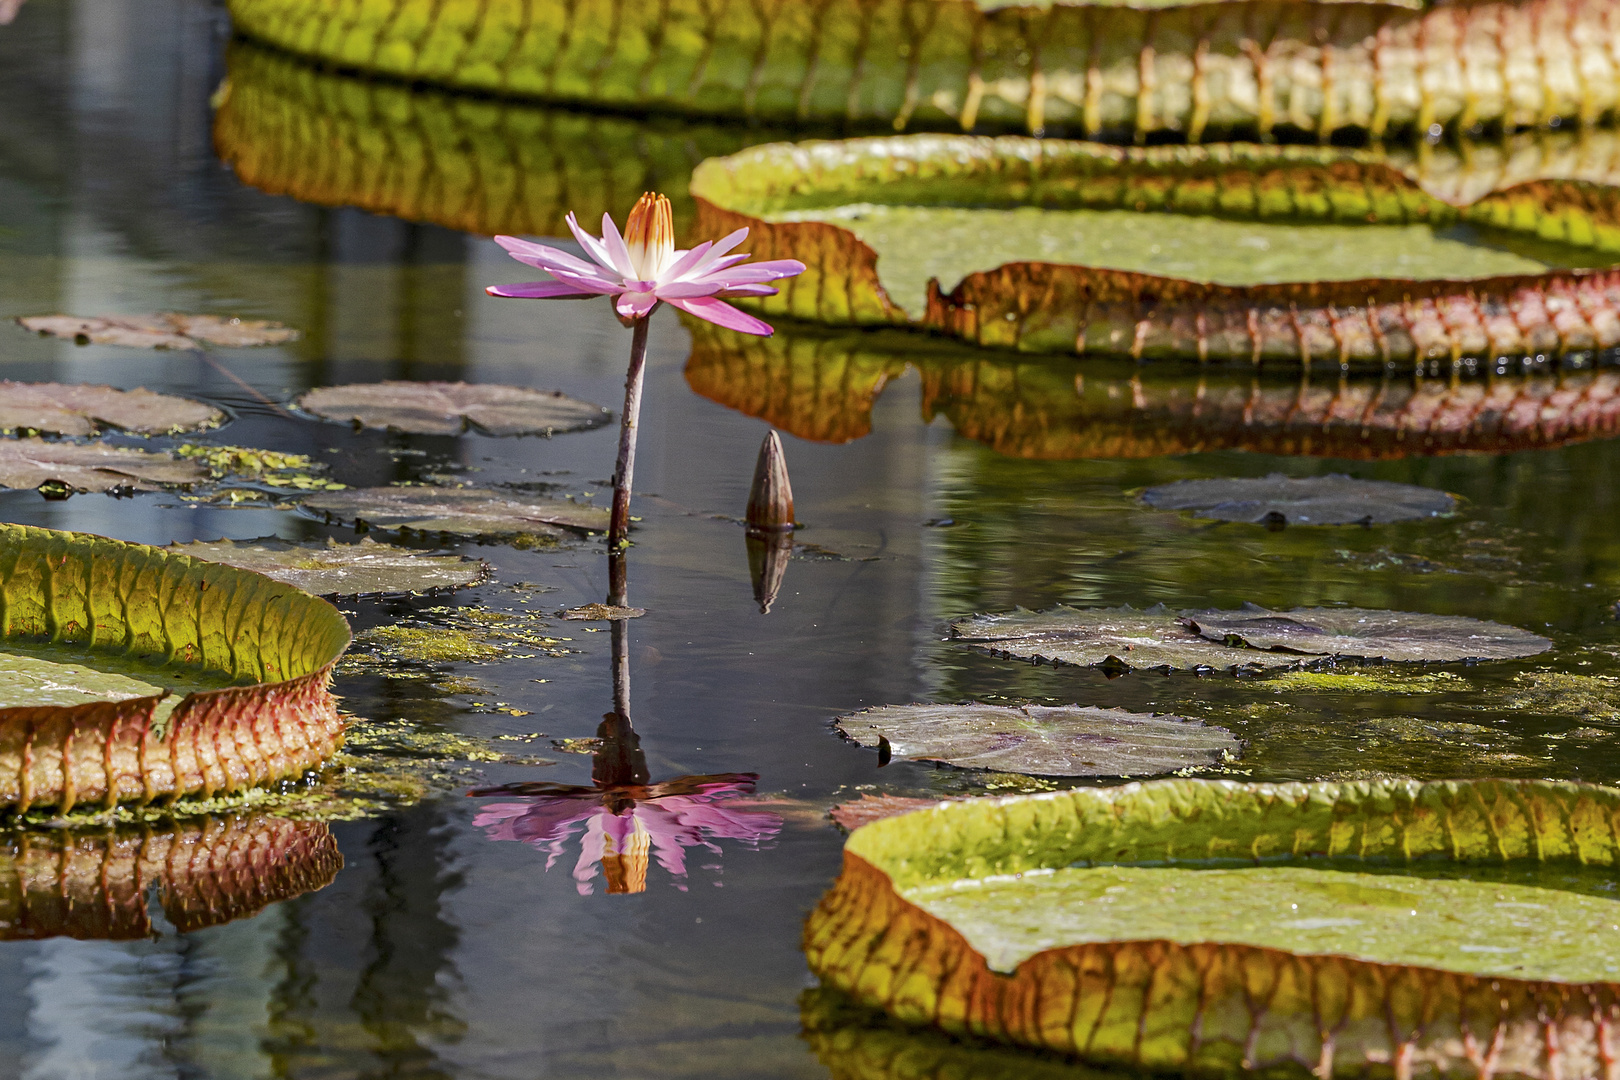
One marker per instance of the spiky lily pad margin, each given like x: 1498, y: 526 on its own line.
x: 1053, y: 307
x: 1213, y: 1008
x: 89, y: 592
x: 1143, y: 68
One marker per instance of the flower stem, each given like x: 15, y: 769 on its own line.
x: 624, y: 474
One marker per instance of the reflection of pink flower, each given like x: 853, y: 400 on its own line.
x: 8, y: 10
x: 622, y: 822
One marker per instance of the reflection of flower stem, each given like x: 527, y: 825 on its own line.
x: 619, y: 526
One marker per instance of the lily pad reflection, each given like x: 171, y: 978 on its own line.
x: 1334, y: 499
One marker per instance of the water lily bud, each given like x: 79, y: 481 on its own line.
x: 770, y: 499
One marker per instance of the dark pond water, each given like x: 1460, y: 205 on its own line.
x: 439, y: 951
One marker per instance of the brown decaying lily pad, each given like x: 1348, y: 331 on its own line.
x: 167, y: 330
x: 446, y: 408
x: 1334, y: 499
x: 1371, y: 635
x: 333, y: 569
x: 1092, y: 637
x: 28, y: 463
x: 1038, y: 740
x: 208, y: 871
x: 462, y: 511
x: 81, y: 409
x: 603, y: 613
x: 867, y: 808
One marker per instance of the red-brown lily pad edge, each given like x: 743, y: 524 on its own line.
x: 263, y: 652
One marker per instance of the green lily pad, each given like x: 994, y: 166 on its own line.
x: 444, y: 408
x: 64, y: 467
x: 1071, y: 740
x: 168, y: 330
x: 1095, y: 637
x: 82, y: 409
x: 333, y: 569
x: 1190, y: 926
x: 460, y: 511
x: 1371, y: 635
x: 1334, y: 499
x: 97, y: 883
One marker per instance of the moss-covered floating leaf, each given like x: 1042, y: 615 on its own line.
x: 274, y: 468
x: 444, y: 408
x: 208, y: 871
x: 461, y: 511
x: 168, y: 330
x: 83, y: 409
x: 1334, y: 499
x: 1070, y: 740
x: 1132, y: 925
x: 333, y: 569
x: 1093, y: 637
x: 68, y: 467
x: 1372, y: 635
x: 83, y: 600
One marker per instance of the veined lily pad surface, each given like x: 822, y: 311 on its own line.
x: 80, y: 409
x: 1044, y: 741
x: 333, y: 569
x: 1334, y: 499
x: 66, y: 467
x: 94, y: 628
x: 453, y: 408
x: 1197, y: 253
x: 463, y: 511
x: 1208, y: 925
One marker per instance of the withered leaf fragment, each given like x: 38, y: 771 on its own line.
x: 460, y: 511
x: 83, y: 409
x: 445, y: 408
x: 333, y: 569
x: 97, y: 467
x: 168, y: 330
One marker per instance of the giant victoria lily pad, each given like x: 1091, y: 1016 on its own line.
x: 206, y: 871
x: 94, y: 628
x: 1140, y: 68
x: 1179, y: 252
x: 1250, y: 638
x: 821, y: 384
x: 1334, y: 499
x: 1207, y: 927
x: 442, y: 408
x: 1039, y: 740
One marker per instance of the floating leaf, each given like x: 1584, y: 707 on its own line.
x: 461, y: 511
x: 1071, y: 740
x: 264, y: 651
x: 64, y: 467
x: 603, y: 613
x: 1187, y: 925
x: 207, y: 871
x: 867, y: 808
x: 1172, y: 67
x: 81, y: 409
x: 165, y: 331
x: 1371, y: 635
x: 442, y: 408
x: 1334, y: 499
x: 1095, y: 637
x: 333, y: 569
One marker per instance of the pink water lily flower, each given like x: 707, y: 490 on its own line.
x: 643, y: 268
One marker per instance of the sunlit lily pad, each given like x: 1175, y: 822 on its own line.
x: 98, y: 883
x: 83, y: 409
x: 1132, y: 925
x: 1334, y: 499
x: 1372, y: 635
x: 168, y: 330
x: 65, y: 467
x: 1071, y: 740
x: 333, y: 569
x: 459, y: 511
x: 94, y: 633
x: 443, y: 408
x: 1093, y: 637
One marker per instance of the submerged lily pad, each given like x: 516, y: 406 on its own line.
x: 460, y: 511
x: 207, y: 871
x: 65, y: 467
x: 168, y: 330
x: 1094, y: 637
x: 1070, y: 740
x: 120, y: 621
x: 868, y: 808
x: 1334, y: 499
x: 82, y: 409
x: 1433, y: 917
x: 1371, y: 635
x: 333, y: 569
x: 444, y: 408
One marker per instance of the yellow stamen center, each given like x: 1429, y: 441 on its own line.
x: 650, y: 236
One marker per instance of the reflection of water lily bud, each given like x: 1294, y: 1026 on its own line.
x: 624, y: 824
